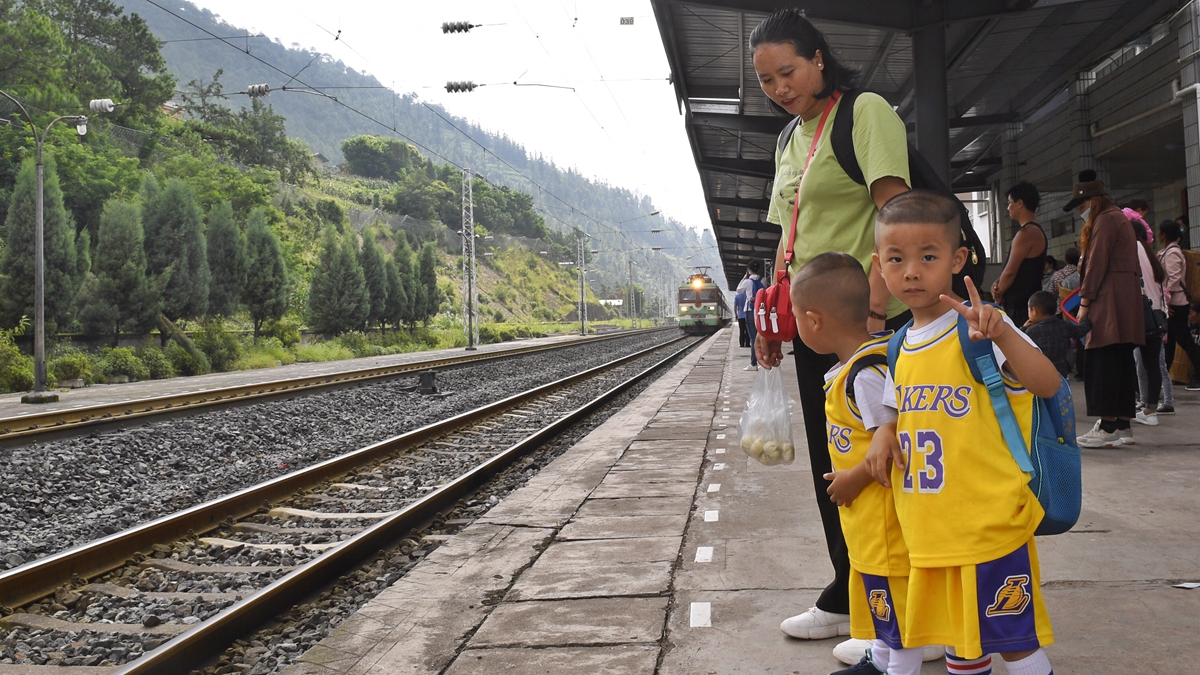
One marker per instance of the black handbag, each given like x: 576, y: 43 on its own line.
x: 1155, y: 319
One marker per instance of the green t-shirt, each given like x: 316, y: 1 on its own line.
x: 837, y: 214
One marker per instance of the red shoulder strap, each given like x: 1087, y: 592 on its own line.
x: 790, y: 252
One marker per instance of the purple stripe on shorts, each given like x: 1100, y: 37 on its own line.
x: 883, y: 610
x: 1006, y: 616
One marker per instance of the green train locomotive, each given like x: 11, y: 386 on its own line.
x: 702, y: 306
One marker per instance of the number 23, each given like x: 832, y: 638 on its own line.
x: 930, y: 477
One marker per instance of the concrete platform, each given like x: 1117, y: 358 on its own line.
x: 656, y: 546
x: 101, y: 394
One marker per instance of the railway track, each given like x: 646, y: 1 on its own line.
x: 25, y: 427
x: 178, y: 590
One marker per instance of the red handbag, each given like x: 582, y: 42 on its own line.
x: 773, y: 318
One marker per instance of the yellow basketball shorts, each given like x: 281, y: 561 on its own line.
x: 877, y: 607
x: 991, y: 607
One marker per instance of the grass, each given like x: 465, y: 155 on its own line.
x: 319, y: 352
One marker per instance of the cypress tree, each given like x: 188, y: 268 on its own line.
x: 337, y: 300
x: 414, y: 294
x: 175, y: 242
x: 397, y: 297
x: 122, y: 293
x: 375, y: 278
x: 83, y: 255
x: 60, y: 272
x: 428, y: 282
x: 267, y: 284
x: 226, y: 260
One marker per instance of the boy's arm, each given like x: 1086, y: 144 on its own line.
x: 845, y: 486
x: 1079, y: 330
x: 884, y: 450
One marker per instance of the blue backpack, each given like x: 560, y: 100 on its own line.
x: 1053, y: 463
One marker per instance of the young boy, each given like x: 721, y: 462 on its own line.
x: 964, y: 506
x: 831, y: 299
x: 1050, y: 332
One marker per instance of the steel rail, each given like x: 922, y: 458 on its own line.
x: 32, y: 581
x: 57, y: 421
x: 198, y: 645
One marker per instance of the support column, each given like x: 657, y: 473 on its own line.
x: 1185, y: 27
x: 1010, y: 176
x: 1079, y: 126
x: 933, y: 123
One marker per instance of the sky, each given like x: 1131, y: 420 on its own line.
x: 609, y: 110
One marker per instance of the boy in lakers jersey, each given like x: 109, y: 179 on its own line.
x: 964, y: 506
x: 831, y: 299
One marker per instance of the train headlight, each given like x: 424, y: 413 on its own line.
x: 683, y: 308
x: 697, y: 283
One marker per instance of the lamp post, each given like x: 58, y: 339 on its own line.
x: 39, y: 393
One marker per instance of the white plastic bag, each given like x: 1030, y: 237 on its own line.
x: 766, y: 424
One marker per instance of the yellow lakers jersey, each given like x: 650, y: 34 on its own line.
x: 961, y: 500
x: 873, y: 536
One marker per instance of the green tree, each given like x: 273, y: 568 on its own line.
x: 427, y: 270
x: 176, y: 250
x: 121, y: 293
x: 375, y: 278
x: 378, y: 156
x: 58, y: 246
x: 226, y: 260
x: 406, y: 270
x: 83, y: 255
x: 267, y: 284
x: 337, y: 299
x: 397, y: 297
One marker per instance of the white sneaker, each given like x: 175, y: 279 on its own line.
x: 816, y: 624
x: 1126, y: 436
x: 853, y: 650
x: 1098, y: 438
x: 750, y: 368
x: 1149, y: 419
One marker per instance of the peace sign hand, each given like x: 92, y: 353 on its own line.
x: 984, y: 322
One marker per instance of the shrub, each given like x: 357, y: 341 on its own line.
x: 157, y: 363
x: 266, y: 353
x: 285, y: 330
x: 220, y: 346
x: 355, y: 341
x: 182, y: 362
x: 72, y: 364
x: 322, y: 351
x: 120, y: 361
x: 17, y: 376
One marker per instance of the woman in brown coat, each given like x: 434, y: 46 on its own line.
x: 1111, y: 297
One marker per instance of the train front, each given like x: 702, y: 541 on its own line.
x: 701, y: 307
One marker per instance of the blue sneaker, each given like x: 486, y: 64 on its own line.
x: 863, y: 667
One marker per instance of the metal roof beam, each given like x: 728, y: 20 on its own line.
x: 756, y: 226
x: 740, y: 203
x: 765, y: 244
x: 758, y: 124
x: 891, y: 15
x: 758, y: 168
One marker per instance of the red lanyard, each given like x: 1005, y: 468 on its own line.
x: 787, y: 256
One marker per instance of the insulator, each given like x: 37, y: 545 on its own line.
x: 453, y: 86
x: 258, y: 90
x: 102, y: 105
x: 456, y: 26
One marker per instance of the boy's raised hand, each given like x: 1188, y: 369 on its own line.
x: 884, y: 451
x: 983, y: 321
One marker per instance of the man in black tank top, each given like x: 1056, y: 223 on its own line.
x: 1022, y: 275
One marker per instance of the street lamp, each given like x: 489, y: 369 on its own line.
x: 39, y: 393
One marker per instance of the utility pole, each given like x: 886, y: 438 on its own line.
x: 629, y: 296
x: 470, y: 291
x: 581, y: 266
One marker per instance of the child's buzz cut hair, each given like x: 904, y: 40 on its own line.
x: 923, y: 207
x: 835, y: 284
x: 1044, y: 302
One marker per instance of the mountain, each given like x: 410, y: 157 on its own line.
x: 324, y: 124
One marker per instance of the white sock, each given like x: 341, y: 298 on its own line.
x: 905, y: 661
x: 1036, y: 663
x: 956, y: 665
x: 880, y: 655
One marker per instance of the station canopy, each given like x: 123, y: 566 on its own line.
x: 1002, y: 61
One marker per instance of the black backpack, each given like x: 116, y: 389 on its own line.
x: 920, y: 175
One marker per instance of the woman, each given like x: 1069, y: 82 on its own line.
x: 751, y: 285
x: 802, y: 76
x: 1111, y: 296
x: 1148, y: 355
x: 1023, y: 273
x: 1174, y: 264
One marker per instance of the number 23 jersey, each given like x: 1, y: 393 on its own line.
x: 962, y: 499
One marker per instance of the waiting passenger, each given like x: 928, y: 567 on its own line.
x: 1022, y: 274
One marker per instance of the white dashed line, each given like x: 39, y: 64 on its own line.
x: 710, y: 516
x: 719, y: 451
x: 704, y: 554
x: 714, y: 487
x: 718, y: 466
x: 725, y: 409
x: 720, y: 437
x: 701, y: 615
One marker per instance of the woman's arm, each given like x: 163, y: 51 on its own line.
x: 881, y: 191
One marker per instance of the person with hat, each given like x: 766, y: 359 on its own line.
x: 1110, y: 295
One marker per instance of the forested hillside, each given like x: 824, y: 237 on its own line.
x: 324, y: 125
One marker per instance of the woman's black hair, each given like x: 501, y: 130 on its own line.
x: 1170, y: 231
x: 789, y: 26
x: 755, y: 267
